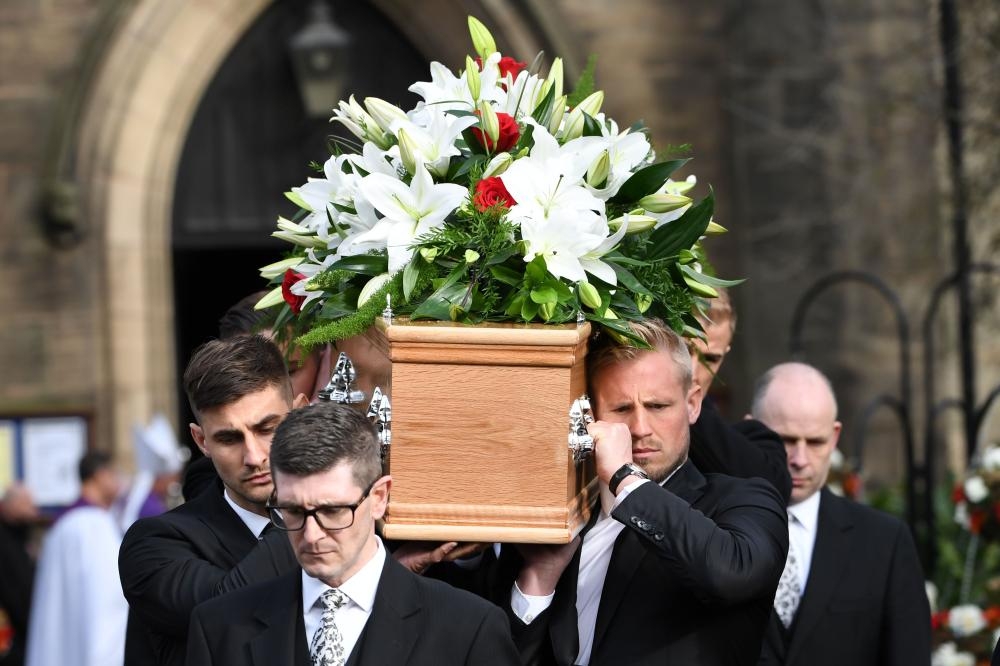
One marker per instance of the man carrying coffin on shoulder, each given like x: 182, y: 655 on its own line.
x: 675, y: 566
x: 349, y: 603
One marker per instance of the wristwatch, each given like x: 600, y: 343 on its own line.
x: 628, y: 469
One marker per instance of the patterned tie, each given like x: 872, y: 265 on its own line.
x: 327, y: 648
x: 786, y: 598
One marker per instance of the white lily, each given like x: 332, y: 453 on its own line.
x: 360, y: 123
x: 550, y: 179
x: 593, y: 262
x: 410, y: 211
x: 562, y: 240
x: 447, y: 92
x: 626, y: 151
x: 522, y: 95
x: 434, y: 143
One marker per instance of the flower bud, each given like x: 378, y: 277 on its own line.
x: 556, y: 77
x: 482, y: 40
x: 489, y: 122
x: 597, y: 174
x: 272, y: 271
x: 664, y: 202
x: 558, y: 113
x: 546, y: 310
x: 714, y: 229
x: 471, y: 256
x: 699, y: 288
x: 270, y: 299
x: 472, y: 78
x: 371, y: 287
x: 636, y: 223
x: 383, y: 113
x: 497, y: 165
x: 589, y: 295
x: 685, y: 257
x: 429, y: 253
x: 287, y: 225
x: 408, y: 151
x: 591, y: 105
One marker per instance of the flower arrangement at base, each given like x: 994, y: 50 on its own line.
x: 965, y: 635
x: 499, y: 197
x: 967, y: 575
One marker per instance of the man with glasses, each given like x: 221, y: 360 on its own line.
x: 239, y: 392
x: 350, y: 603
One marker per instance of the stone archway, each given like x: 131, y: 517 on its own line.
x: 153, y: 72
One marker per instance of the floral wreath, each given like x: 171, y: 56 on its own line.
x: 499, y: 197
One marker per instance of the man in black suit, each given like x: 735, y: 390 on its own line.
x: 746, y: 448
x: 852, y: 591
x: 350, y: 602
x: 677, y: 567
x: 239, y: 392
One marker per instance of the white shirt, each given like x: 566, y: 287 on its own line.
x: 802, y: 520
x: 254, y: 522
x: 595, y: 558
x: 360, y: 592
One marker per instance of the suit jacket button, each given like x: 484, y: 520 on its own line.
x: 658, y: 536
x: 635, y: 520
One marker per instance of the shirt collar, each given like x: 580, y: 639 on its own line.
x: 255, y: 523
x: 806, y: 512
x: 359, y: 588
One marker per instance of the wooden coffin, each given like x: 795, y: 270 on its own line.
x: 480, y: 418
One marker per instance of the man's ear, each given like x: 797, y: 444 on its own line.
x: 380, y: 496
x: 301, y: 400
x: 694, y: 398
x: 837, y: 426
x: 198, y: 435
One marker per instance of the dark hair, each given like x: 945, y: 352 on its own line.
x: 241, y: 318
x: 222, y: 371
x: 604, y: 350
x: 319, y: 437
x: 93, y: 462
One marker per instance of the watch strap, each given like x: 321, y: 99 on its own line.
x: 626, y: 470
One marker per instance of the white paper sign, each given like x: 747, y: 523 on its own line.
x: 51, y: 449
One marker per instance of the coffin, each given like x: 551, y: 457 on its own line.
x: 480, y: 421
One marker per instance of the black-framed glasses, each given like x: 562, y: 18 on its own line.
x: 328, y: 516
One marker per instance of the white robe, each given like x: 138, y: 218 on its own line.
x: 78, y: 612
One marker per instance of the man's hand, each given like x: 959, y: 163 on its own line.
x: 612, y: 447
x: 543, y: 565
x: 417, y: 556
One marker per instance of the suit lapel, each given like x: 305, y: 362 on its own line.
x: 235, y: 537
x: 394, y: 625
x: 629, y: 551
x: 830, y: 555
x: 282, y: 635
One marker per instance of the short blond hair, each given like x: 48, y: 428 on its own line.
x: 605, y: 350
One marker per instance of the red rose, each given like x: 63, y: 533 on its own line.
x: 976, y: 519
x: 507, y: 139
x: 958, y: 494
x: 852, y: 485
x: 491, y: 192
x: 992, y: 616
x: 295, y: 302
x: 507, y: 66
x: 939, y: 620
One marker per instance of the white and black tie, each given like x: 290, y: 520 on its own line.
x: 327, y: 648
x: 788, y: 594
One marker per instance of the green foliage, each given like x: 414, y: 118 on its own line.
x: 585, y: 84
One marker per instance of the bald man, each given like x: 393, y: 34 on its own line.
x: 852, y: 591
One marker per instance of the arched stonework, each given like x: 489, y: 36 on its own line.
x: 137, y: 112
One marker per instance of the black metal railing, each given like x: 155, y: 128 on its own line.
x: 920, y: 472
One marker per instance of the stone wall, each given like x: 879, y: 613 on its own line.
x: 817, y: 123
x: 49, y: 349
